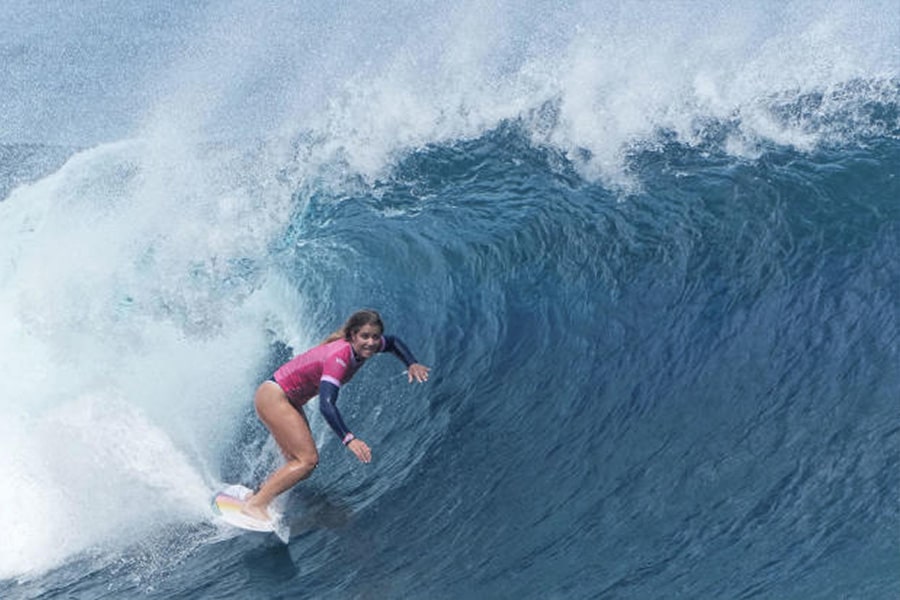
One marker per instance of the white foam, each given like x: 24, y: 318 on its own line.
x: 85, y: 473
x: 361, y: 84
x: 135, y: 311
x: 616, y: 75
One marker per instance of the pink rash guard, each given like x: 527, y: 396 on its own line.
x: 323, y: 370
x: 333, y: 362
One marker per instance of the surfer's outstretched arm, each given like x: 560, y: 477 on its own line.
x: 414, y: 369
x: 328, y: 394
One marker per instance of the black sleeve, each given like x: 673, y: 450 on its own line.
x: 328, y: 394
x: 396, y: 347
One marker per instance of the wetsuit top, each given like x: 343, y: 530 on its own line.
x: 324, y: 369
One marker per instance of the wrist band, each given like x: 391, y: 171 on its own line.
x: 348, y: 438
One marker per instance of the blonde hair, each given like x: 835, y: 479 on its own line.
x: 356, y: 321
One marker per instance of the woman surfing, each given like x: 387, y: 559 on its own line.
x: 321, y: 370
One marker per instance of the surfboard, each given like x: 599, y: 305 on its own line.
x: 227, y: 504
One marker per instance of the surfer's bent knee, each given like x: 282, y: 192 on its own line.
x: 304, y: 466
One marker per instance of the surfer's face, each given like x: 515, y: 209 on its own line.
x: 366, y: 341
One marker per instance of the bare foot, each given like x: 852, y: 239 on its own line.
x: 256, y: 512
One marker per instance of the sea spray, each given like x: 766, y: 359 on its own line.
x: 137, y: 317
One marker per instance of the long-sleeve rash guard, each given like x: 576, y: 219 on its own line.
x: 324, y: 369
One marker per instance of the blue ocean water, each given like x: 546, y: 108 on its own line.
x: 649, y: 251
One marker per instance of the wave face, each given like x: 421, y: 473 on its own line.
x: 649, y: 252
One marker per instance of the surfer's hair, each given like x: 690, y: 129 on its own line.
x: 357, y: 321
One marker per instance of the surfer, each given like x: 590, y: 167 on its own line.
x: 279, y: 401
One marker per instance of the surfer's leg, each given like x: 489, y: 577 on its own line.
x: 291, y: 431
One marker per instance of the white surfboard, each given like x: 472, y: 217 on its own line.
x: 228, y: 503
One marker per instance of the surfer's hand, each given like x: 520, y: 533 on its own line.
x: 361, y: 450
x: 418, y: 372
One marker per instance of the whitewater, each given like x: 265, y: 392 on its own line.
x: 649, y: 250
